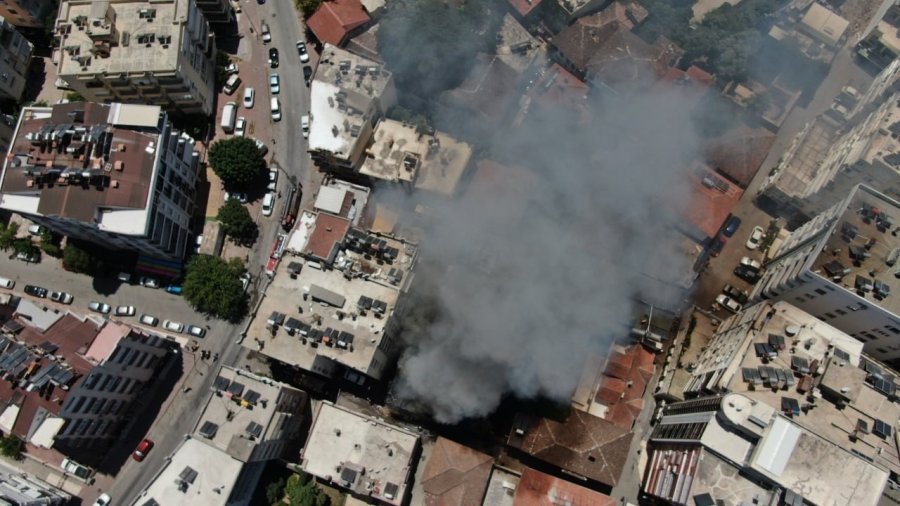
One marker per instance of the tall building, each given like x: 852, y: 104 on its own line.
x: 114, y: 174
x: 15, y: 58
x: 217, y: 12
x: 26, y: 13
x: 158, y: 52
x: 839, y: 267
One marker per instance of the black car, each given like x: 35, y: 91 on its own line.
x: 36, y: 291
x: 307, y: 73
x: 273, y: 57
x: 731, y: 226
x: 748, y: 274
x: 716, y: 246
x: 739, y: 296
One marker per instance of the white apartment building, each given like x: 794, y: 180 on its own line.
x: 114, y: 174
x: 15, y: 58
x: 158, y: 52
x: 840, y: 267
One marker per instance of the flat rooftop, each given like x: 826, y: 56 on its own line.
x: 399, y: 153
x: 343, y: 199
x: 362, y: 454
x: 289, y: 295
x: 83, y: 161
x: 241, y: 413
x: 198, y: 474
x: 859, y: 243
x: 501, y: 487
x: 343, y: 91
x: 815, y: 348
x: 800, y: 172
x: 102, y: 37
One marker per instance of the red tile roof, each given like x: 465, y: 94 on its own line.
x: 538, y: 489
x: 711, y: 201
x: 623, y: 384
x: 329, y: 231
x: 455, y: 475
x: 558, y: 86
x: 335, y: 19
x: 739, y: 152
x: 524, y: 7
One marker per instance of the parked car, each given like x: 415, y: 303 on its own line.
x: 731, y: 226
x: 268, y: 204
x: 245, y: 280
x: 249, y: 97
x: 35, y: 229
x: 728, y: 303
x: 174, y: 289
x: 196, y: 331
x: 103, y: 500
x: 273, y: 57
x: 276, y: 109
x: 31, y: 258
x: 274, y: 84
x: 747, y: 274
x: 301, y: 50
x: 240, y: 126
x: 36, y: 291
x: 142, y: 450
x: 149, y: 320
x: 716, y: 246
x: 751, y: 263
x: 231, y: 84
x: 61, y: 297
x: 149, y: 282
x: 273, y: 179
x: 266, y: 34
x: 197, y: 243
x: 7, y: 283
x: 304, y: 125
x: 72, y: 467
x: 307, y: 74
x: 124, y: 277
x: 740, y: 296
x: 263, y: 149
x: 173, y: 326
x: 241, y: 197
x: 232, y: 68
x: 756, y: 237
x: 99, y: 307
x: 125, y: 311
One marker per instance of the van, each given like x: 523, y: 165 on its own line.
x: 232, y: 84
x: 7, y: 283
x: 268, y: 204
x: 276, y: 109
x: 892, y: 257
x: 228, y: 115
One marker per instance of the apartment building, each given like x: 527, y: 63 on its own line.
x: 26, y: 13
x: 114, y: 174
x: 840, y: 266
x: 15, y: 59
x: 138, y: 51
x: 217, y: 12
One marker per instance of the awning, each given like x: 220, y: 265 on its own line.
x: 46, y: 433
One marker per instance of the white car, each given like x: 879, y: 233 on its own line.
x: 196, y: 331
x: 275, y: 105
x: 266, y: 34
x: 99, y: 307
x: 755, y: 238
x: 103, y: 500
x: 240, y: 126
x: 35, y: 229
x: 173, y: 326
x: 149, y: 282
x: 240, y: 196
x: 274, y: 84
x: 198, y: 242
x: 125, y: 311
x: 249, y: 97
x: 149, y: 320
x: 304, y: 125
x: 61, y: 297
x: 728, y: 303
x: 273, y: 179
x: 232, y: 68
x: 268, y: 204
x: 751, y: 263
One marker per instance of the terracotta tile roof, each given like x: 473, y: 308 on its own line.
x: 329, y: 232
x: 584, y: 445
x: 524, y: 7
x: 538, y: 489
x: 558, y: 87
x: 455, y: 475
x: 712, y: 200
x: 739, y: 152
x: 610, y: 390
x: 624, y: 383
x: 486, y: 89
x: 335, y: 19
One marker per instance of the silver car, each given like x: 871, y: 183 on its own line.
x: 173, y: 326
x: 99, y: 307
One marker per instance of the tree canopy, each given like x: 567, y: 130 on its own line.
x: 76, y: 259
x: 446, y: 37
x: 237, y: 222
x: 236, y: 160
x: 300, y: 490
x: 212, y: 286
x: 308, y: 7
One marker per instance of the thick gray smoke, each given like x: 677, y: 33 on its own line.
x: 527, y: 275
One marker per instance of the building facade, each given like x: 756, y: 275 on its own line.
x: 217, y: 12
x: 15, y: 59
x: 138, y: 51
x: 26, y: 13
x: 117, y: 175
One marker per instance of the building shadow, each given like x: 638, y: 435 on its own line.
x: 37, y: 79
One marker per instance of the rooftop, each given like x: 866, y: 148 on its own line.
x: 858, y: 243
x: 197, y: 474
x: 455, y: 475
x: 825, y: 23
x: 431, y: 162
x: 335, y: 19
x: 517, y: 47
x: 538, y: 489
x: 343, y: 94
x: 331, y: 323
x: 243, y: 411
x: 103, y: 37
x: 524, y: 7
x: 501, y: 487
x: 365, y: 455
x: 622, y: 384
x: 343, y: 199
x: 712, y: 199
x: 584, y: 445
x: 559, y: 87
x: 85, y: 161
x: 738, y: 153
x: 485, y: 91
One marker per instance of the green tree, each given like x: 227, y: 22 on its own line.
x: 76, y: 259
x: 212, y: 286
x: 302, y: 491
x: 275, y: 491
x: 26, y: 246
x: 11, y: 446
x: 50, y: 243
x: 8, y: 235
x: 237, y: 222
x: 74, y: 96
x: 236, y: 160
x: 308, y: 7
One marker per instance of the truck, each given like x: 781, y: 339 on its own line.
x: 291, y: 207
x: 229, y: 112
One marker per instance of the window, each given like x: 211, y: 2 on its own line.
x: 840, y: 312
x: 799, y: 299
x: 829, y: 315
x: 820, y: 291
x: 894, y: 330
